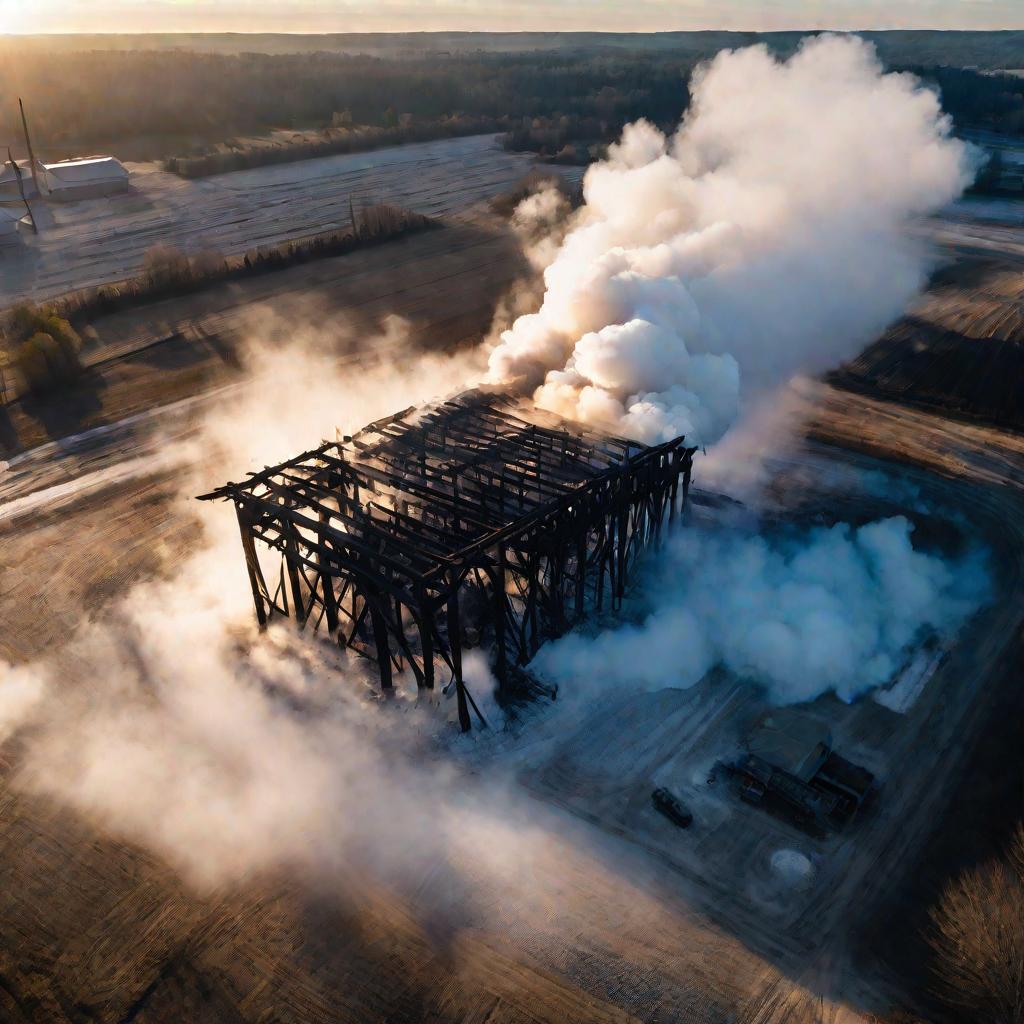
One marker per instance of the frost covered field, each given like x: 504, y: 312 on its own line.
x: 99, y: 240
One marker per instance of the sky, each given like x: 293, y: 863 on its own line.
x: 489, y: 15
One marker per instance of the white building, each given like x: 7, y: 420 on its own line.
x: 86, y: 178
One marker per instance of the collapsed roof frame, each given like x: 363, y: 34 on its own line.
x: 474, y: 521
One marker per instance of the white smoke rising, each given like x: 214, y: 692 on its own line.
x: 768, y: 236
x: 831, y: 609
x: 540, y: 222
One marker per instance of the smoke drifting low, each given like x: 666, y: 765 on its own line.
x: 768, y: 236
x: 167, y: 719
x: 829, y: 609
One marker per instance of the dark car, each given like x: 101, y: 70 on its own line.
x: 673, y: 808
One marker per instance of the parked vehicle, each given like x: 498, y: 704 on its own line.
x: 672, y: 807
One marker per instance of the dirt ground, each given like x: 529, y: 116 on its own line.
x: 623, y: 921
x: 170, y: 350
x: 960, y: 349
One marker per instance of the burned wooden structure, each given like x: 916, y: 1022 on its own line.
x: 471, y: 522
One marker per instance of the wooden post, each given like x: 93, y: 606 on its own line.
x: 581, y: 571
x: 500, y: 602
x: 327, y: 582
x: 249, y: 548
x: 620, y: 553
x: 427, y: 641
x: 455, y: 643
x: 675, y: 486
x: 291, y: 554
x: 380, y: 638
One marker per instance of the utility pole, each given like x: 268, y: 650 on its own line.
x: 21, y: 189
x: 31, y: 155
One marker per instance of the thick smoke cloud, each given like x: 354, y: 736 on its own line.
x: 830, y: 609
x: 768, y: 236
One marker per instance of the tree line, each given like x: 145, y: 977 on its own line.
x: 186, y: 104
x: 43, y: 343
x: 185, y: 101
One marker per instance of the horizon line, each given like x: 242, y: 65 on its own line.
x: 505, y: 32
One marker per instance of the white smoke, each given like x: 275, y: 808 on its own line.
x: 768, y: 236
x: 20, y: 692
x: 830, y: 609
x: 168, y: 721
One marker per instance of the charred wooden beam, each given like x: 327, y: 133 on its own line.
x: 521, y: 511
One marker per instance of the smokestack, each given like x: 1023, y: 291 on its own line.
x: 31, y: 155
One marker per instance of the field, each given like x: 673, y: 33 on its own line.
x: 96, y: 241
x: 961, y: 349
x: 612, y: 915
x: 172, y: 349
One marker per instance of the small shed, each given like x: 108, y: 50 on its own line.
x: 86, y: 178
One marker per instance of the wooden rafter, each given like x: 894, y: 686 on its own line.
x: 473, y: 518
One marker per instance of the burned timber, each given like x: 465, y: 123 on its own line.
x: 473, y: 522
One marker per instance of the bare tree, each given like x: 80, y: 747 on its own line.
x: 978, y: 938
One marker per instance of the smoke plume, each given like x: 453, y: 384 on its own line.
x: 768, y: 236
x: 800, y: 614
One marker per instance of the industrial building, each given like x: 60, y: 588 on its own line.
x: 86, y: 178
x: 790, y: 767
x: 474, y: 522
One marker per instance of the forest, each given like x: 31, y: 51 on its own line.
x: 561, y: 103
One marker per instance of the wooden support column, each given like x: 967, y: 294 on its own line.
x: 612, y: 558
x: 327, y: 583
x: 581, y: 572
x: 427, y: 641
x: 657, y: 496
x: 533, y: 585
x: 500, y: 605
x: 557, y: 585
x: 291, y: 562
x: 675, y: 486
x: 252, y: 566
x: 380, y: 639
x: 620, y: 551
x: 455, y: 644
